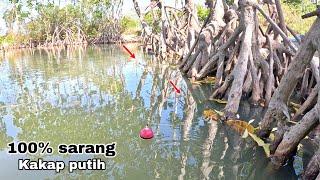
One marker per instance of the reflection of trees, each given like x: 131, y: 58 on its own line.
x: 189, y: 116
x: 82, y: 96
x: 86, y: 101
x: 206, y: 168
x: 4, y: 138
x: 62, y: 105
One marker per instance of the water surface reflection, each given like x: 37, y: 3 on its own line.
x: 98, y: 95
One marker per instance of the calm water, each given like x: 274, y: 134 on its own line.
x: 98, y: 95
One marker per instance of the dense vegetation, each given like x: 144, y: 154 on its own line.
x: 34, y: 23
x: 293, y: 10
x: 56, y: 23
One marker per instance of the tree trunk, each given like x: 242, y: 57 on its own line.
x: 292, y: 138
x: 240, y: 68
x: 202, y: 46
x: 193, y: 23
x: 277, y: 109
x: 313, y: 168
x: 164, y: 33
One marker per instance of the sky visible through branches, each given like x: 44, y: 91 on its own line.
x: 127, y: 7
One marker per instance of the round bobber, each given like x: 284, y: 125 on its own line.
x: 146, y: 133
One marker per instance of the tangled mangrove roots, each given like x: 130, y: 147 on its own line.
x: 63, y: 36
x: 178, y: 28
x: 303, y: 73
x: 231, y: 44
x: 71, y: 24
x: 109, y: 33
x: 245, y: 59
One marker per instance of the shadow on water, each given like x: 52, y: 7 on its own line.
x: 98, y: 95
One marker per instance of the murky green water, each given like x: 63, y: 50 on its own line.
x: 98, y: 95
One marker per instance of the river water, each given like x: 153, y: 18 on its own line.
x: 98, y: 95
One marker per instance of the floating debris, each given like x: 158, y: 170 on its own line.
x: 220, y: 101
x: 214, y: 115
x: 246, y: 129
x: 211, y: 114
x: 207, y: 80
x: 240, y: 126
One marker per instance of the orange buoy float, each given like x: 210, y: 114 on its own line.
x: 146, y: 133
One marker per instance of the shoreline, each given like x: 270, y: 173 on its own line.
x: 125, y: 39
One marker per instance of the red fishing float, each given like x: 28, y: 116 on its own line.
x: 146, y: 133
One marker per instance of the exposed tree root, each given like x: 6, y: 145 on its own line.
x: 287, y: 139
x: 278, y: 110
x: 313, y: 169
x: 292, y: 138
x: 245, y: 60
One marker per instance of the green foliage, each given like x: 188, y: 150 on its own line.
x: 12, y: 38
x: 41, y: 21
x: 202, y: 12
x: 129, y: 25
x: 148, y: 18
x: 293, y: 10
